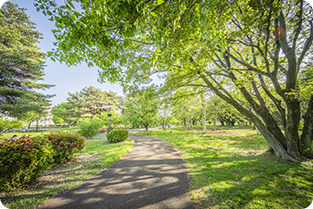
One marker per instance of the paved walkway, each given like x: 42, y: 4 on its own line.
x: 151, y: 175
x: 130, y: 131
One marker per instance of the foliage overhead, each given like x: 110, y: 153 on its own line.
x: 258, y: 50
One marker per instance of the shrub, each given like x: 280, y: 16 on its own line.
x: 90, y: 128
x: 23, y: 160
x: 10, y: 124
x: 66, y: 145
x: 117, y: 135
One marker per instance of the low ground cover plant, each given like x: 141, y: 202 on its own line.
x: 23, y: 160
x: 66, y: 145
x: 230, y: 168
x: 117, y: 135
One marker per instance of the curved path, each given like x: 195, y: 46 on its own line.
x: 151, y: 175
x: 130, y: 131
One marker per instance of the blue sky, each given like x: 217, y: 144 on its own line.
x: 66, y: 79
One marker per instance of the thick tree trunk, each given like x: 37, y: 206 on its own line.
x: 146, y: 126
x: 292, y: 127
x: 189, y: 125
x: 307, y: 133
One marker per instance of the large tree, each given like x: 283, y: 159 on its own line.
x: 257, y: 49
x: 21, y: 62
x: 91, y: 101
x: 66, y: 112
x: 141, y: 109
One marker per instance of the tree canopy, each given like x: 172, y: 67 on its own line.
x: 260, y: 51
x: 91, y: 101
x: 141, y: 109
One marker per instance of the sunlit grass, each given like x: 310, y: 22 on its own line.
x: 7, y: 136
x: 96, y: 156
x: 230, y: 169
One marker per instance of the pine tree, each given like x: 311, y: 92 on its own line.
x: 21, y: 62
x: 91, y: 101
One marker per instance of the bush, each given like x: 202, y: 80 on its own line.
x: 23, y: 160
x: 90, y: 128
x: 66, y: 145
x: 10, y: 124
x: 117, y: 135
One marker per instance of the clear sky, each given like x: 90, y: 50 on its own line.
x: 66, y: 79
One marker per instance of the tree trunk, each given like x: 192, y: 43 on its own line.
x: 29, y: 125
x: 292, y: 127
x: 215, y: 117
x: 189, y: 125
x: 185, y: 122
x: 307, y: 133
x: 37, y: 126
x: 278, y: 148
x: 203, y: 114
x: 146, y: 126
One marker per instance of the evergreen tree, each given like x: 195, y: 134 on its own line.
x: 21, y: 62
x: 91, y: 101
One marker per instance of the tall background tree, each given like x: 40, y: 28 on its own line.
x: 21, y: 63
x: 66, y: 113
x: 141, y: 109
x: 91, y: 101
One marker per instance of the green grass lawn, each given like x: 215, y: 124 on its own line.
x: 6, y: 136
x: 96, y: 156
x: 230, y: 169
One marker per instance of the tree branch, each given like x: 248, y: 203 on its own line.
x: 307, y: 45
x: 298, y: 30
x: 247, y: 65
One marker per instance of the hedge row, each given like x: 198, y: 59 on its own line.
x: 24, y: 159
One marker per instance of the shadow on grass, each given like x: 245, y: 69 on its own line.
x: 234, y: 172
x: 236, y: 181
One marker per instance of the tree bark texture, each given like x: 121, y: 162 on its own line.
x: 307, y: 133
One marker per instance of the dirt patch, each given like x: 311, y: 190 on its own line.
x: 83, y: 157
x: 103, y: 130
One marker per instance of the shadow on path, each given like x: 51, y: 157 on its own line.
x: 151, y: 175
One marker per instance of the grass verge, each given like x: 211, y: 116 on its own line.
x: 96, y: 155
x: 230, y: 169
x: 6, y: 136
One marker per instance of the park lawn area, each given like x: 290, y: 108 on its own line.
x: 6, y: 136
x: 229, y: 168
x: 96, y: 156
